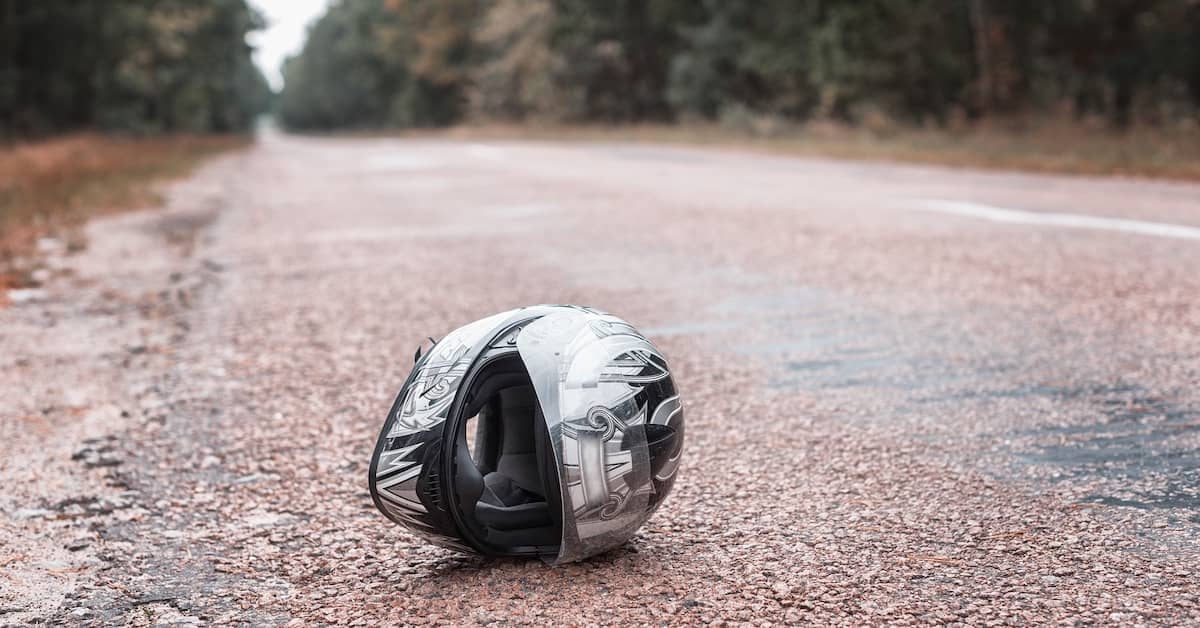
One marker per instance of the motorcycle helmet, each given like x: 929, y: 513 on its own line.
x: 552, y: 431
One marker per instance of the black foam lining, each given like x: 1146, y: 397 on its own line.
x: 510, y: 487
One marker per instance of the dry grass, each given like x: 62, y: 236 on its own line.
x: 50, y: 187
x: 1052, y: 147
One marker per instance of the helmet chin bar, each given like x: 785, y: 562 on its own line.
x: 505, y: 495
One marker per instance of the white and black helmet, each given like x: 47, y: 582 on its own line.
x: 551, y: 431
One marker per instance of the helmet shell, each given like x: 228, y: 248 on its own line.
x: 600, y: 383
x: 614, y: 420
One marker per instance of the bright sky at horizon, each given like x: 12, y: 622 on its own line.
x: 287, y: 27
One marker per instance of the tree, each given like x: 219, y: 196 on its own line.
x: 516, y: 77
x: 432, y: 62
x: 140, y: 65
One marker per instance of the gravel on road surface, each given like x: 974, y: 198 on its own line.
x: 893, y: 415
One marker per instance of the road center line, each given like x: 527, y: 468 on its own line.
x: 1073, y: 221
x: 485, y: 151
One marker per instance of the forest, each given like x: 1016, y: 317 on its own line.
x: 100, y: 101
x: 134, y: 66
x: 421, y: 63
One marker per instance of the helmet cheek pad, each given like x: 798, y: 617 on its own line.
x: 578, y: 438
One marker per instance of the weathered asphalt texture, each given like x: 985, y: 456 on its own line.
x: 893, y: 414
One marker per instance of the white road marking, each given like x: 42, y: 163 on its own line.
x: 397, y: 161
x: 500, y: 219
x: 520, y: 210
x: 1073, y: 221
x: 485, y: 151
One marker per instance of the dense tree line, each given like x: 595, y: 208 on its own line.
x: 136, y: 65
x: 373, y: 63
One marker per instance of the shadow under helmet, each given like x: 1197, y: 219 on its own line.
x: 551, y: 431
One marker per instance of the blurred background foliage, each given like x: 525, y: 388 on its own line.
x: 100, y: 101
x: 151, y: 66
x: 141, y: 66
x: 419, y: 63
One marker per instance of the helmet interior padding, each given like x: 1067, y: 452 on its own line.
x: 508, y: 486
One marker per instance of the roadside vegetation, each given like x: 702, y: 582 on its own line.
x: 1074, y: 86
x: 100, y: 102
x: 50, y: 187
x: 135, y: 66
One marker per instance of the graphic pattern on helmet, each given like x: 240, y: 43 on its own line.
x: 606, y: 383
x: 415, y: 426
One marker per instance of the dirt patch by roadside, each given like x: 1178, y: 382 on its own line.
x: 50, y: 188
x: 90, y: 354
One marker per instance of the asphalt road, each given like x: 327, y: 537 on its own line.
x: 913, y: 394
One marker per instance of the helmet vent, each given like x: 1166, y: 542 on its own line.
x: 432, y: 489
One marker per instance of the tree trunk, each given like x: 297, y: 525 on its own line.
x: 983, y: 57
